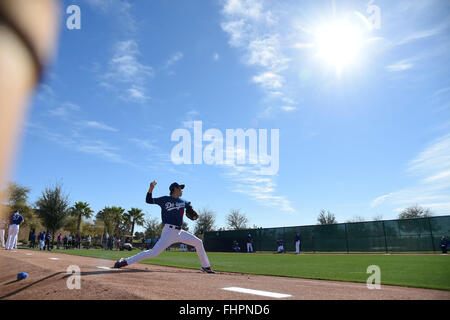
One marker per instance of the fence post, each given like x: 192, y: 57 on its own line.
x: 431, y: 233
x: 385, y: 240
x: 346, y: 236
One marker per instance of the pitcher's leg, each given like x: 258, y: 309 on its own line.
x: 167, y: 238
x: 187, y: 238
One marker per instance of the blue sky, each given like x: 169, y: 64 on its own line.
x: 362, y: 110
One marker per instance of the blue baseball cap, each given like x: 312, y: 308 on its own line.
x: 175, y: 185
x: 22, y: 275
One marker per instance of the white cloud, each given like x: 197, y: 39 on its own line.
x: 262, y: 189
x: 173, y: 59
x: 102, y: 149
x: 96, y: 125
x: 64, y: 110
x: 400, y: 66
x: 252, y: 28
x: 432, y: 188
x: 216, y: 56
x: 288, y: 108
x: 126, y: 73
x: 380, y: 200
x: 269, y: 80
x: 144, y: 144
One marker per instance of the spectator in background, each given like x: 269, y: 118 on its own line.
x: 33, y: 240
x: 118, y: 244
x: 280, y: 246
x: 148, y: 243
x: 79, y: 240
x: 69, y: 241
x: 444, y: 244
x: 104, y: 241
x: 58, y: 242
x: 41, y: 240
x: 236, y: 247
x: 111, y: 242
x: 65, y: 242
x: 48, y: 238
x: 44, y: 239
x: 3, y: 228
x: 88, y: 241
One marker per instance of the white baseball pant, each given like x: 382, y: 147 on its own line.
x: 13, y: 232
x: 170, y: 236
x: 2, y: 235
x: 297, y: 246
x: 249, y: 247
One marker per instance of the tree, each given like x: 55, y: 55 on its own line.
x: 17, y: 199
x: 92, y: 229
x: 152, y: 228
x: 70, y: 224
x: 52, y: 208
x: 415, y: 211
x: 139, y: 235
x: 326, y: 217
x: 134, y: 216
x: 236, y: 220
x: 205, y: 222
x: 356, y: 219
x: 112, y: 218
x: 81, y: 210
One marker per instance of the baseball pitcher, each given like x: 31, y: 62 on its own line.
x: 172, y: 212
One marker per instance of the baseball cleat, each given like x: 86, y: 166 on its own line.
x: 207, y: 270
x: 120, y: 263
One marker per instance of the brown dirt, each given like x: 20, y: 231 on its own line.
x: 47, y: 280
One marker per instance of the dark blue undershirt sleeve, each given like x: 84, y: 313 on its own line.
x: 149, y: 198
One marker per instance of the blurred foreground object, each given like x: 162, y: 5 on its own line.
x: 28, y: 33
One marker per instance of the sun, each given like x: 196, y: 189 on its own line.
x: 338, y: 44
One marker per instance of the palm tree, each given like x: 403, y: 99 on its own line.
x: 81, y: 210
x: 135, y: 216
x: 112, y: 218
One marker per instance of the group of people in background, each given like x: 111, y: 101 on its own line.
x: 280, y: 246
x: 44, y: 241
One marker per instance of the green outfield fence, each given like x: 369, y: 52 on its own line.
x: 420, y: 234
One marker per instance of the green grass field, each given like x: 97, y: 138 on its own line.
x: 422, y: 271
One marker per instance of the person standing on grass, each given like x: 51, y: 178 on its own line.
x: 58, y: 242
x: 48, y: 239
x: 444, y: 244
x: 15, y: 221
x: 297, y: 243
x: 249, y: 243
x: 33, y: 240
x: 3, y: 228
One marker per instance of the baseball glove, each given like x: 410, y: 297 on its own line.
x: 190, y: 212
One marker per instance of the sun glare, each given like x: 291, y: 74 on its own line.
x: 338, y: 44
